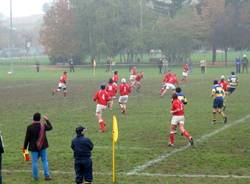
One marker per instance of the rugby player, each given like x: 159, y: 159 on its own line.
x: 101, y: 98
x: 62, y: 85
x: 125, y: 90
x: 218, y: 94
x: 177, y: 111
x: 233, y: 83
x: 169, y: 83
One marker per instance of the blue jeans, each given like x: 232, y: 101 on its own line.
x: 35, y: 156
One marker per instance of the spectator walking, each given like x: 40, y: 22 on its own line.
x: 37, y: 141
x: 82, y: 147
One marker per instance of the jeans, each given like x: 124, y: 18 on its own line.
x: 35, y: 156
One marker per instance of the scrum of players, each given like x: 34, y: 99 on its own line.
x: 105, y: 96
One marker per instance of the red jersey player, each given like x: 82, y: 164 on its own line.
x: 62, y: 84
x: 133, y: 72
x: 169, y: 83
x: 115, y: 77
x: 101, y: 98
x: 185, y: 73
x: 138, y: 79
x: 125, y: 90
x: 112, y: 90
x: 223, y: 83
x: 177, y: 112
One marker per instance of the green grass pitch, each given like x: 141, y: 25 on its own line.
x: 143, y: 131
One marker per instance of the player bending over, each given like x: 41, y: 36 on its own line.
x: 218, y: 94
x: 177, y: 112
x: 112, y: 90
x: 125, y: 90
x: 169, y: 83
x: 101, y: 98
x: 62, y: 85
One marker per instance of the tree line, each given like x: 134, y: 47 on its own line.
x: 92, y: 28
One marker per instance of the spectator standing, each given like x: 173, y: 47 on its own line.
x: 37, y: 66
x: 1, y: 152
x: 244, y: 63
x: 71, y: 65
x: 203, y: 66
x: 37, y: 142
x: 165, y: 65
x: 82, y: 147
x: 237, y: 65
x: 160, y: 65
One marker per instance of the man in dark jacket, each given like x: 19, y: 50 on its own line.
x: 1, y: 152
x: 82, y: 147
x: 36, y: 140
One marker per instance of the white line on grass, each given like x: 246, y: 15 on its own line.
x: 150, y: 163
x: 122, y: 147
x: 139, y: 174
x: 192, y: 175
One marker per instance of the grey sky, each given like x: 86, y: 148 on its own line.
x: 22, y: 7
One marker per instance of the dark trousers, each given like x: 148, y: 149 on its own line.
x: 203, y: 69
x: 0, y: 168
x: 244, y: 67
x: 72, y: 69
x: 83, y: 170
x: 237, y: 68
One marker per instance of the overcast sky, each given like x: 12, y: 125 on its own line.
x: 22, y: 7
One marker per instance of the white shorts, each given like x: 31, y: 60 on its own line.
x: 123, y: 99
x: 169, y: 86
x: 62, y: 86
x: 100, y: 108
x: 177, y: 120
x: 132, y: 77
x: 184, y: 74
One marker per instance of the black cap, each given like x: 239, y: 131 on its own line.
x: 37, y: 116
x: 80, y: 129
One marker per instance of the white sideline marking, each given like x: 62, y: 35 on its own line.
x: 192, y: 175
x: 140, y: 168
x: 139, y: 174
x: 122, y: 147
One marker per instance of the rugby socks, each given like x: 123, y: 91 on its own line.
x: 214, y: 116
x: 102, y: 125
x: 187, y: 135
x: 171, y: 138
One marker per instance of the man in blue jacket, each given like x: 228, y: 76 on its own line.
x: 82, y: 147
